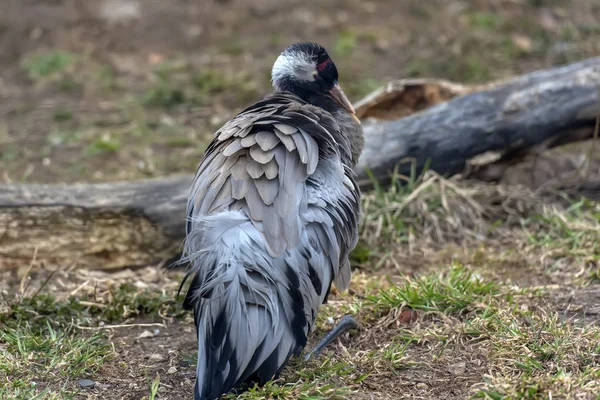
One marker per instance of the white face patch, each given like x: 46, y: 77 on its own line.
x: 293, y: 64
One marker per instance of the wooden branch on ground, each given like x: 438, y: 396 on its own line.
x: 126, y: 224
x: 541, y: 109
x: 104, y: 226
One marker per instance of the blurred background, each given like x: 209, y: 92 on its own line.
x: 121, y: 89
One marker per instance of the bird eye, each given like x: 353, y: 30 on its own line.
x: 320, y: 56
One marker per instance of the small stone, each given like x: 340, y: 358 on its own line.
x: 145, y: 334
x: 382, y: 44
x: 156, y: 357
x: 36, y: 33
x: 185, y: 363
x: 120, y: 11
x: 369, y: 7
x: 522, y: 42
x: 155, y: 58
x: 194, y: 31
x: 86, y: 383
x: 458, y: 368
x: 408, y: 316
x: 548, y: 20
x: 422, y: 386
x: 172, y: 370
x: 216, y: 120
x: 167, y: 120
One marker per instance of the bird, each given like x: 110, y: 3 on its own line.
x: 272, y: 215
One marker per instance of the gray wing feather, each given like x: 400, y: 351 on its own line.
x: 287, y: 140
x: 286, y: 129
x: 260, y: 155
x: 271, y: 169
x: 301, y: 146
x: 233, y: 148
x: 267, y: 140
x: 255, y: 170
x: 248, y: 141
x: 267, y: 189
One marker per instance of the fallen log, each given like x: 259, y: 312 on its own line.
x: 542, y: 109
x: 104, y: 226
x: 126, y: 224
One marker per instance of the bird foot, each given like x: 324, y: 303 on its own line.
x: 346, y: 323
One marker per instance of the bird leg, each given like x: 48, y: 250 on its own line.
x: 347, y: 323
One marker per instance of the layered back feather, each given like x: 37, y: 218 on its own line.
x: 272, y: 216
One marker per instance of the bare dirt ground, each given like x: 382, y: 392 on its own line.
x: 111, y: 90
x: 107, y: 90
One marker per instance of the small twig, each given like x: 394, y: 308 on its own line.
x: 23, y: 285
x: 43, y: 285
x: 414, y: 194
x: 465, y: 196
x: 91, y: 304
x: 98, y: 328
x: 74, y: 291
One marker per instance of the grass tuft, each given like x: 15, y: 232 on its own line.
x: 345, y: 43
x: 102, y: 145
x: 455, y: 291
x: 44, y: 65
x: 328, y: 379
x: 36, y: 356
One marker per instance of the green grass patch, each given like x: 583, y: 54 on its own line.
x: 46, y: 346
x: 20, y: 390
x: 483, y: 20
x: 126, y: 301
x: 62, y: 138
x: 345, y: 43
x: 309, y: 382
x: 530, y: 351
x: 62, y: 116
x: 120, y: 303
x: 537, y: 353
x: 162, y: 94
x: 59, y: 352
x: 44, y: 65
x: 42, y: 360
x: 154, y: 386
x: 396, y: 353
x: 103, y: 145
x: 574, y: 231
x: 211, y: 81
x: 456, y: 291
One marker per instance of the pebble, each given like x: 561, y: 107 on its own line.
x: 86, y: 383
x: 156, y: 357
x: 458, y: 368
x: 145, y: 334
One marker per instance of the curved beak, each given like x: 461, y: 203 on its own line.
x: 339, y: 96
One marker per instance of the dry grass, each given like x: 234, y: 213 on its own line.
x: 418, y: 216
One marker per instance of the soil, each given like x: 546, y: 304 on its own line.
x: 87, y: 121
